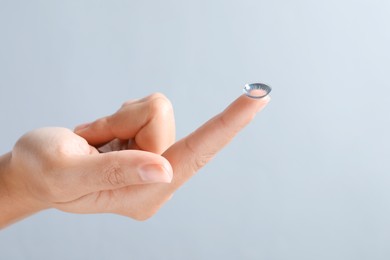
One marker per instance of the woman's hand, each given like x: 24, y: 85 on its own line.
x: 126, y: 163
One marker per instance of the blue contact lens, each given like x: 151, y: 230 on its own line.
x: 256, y: 90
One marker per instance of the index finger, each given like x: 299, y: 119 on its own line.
x: 192, y: 152
x: 149, y: 121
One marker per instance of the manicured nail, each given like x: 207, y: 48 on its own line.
x: 155, y: 173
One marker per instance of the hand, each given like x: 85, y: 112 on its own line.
x: 56, y: 168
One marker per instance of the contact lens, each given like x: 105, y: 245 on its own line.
x: 256, y: 90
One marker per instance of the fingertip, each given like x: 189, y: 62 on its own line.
x: 263, y: 100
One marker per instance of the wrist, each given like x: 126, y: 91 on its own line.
x: 15, y: 202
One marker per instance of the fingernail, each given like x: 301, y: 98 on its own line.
x: 262, y: 102
x: 267, y: 98
x: 81, y: 127
x: 155, y: 173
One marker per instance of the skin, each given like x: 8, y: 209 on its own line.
x: 127, y: 163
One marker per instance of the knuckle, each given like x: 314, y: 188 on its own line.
x: 114, y: 173
x: 228, y: 130
x: 107, y: 122
x: 128, y: 102
x: 199, y: 156
x: 201, y: 160
x: 160, y: 105
x: 157, y: 95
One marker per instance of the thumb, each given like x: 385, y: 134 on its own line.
x: 113, y: 170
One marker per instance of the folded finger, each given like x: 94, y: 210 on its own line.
x: 149, y: 121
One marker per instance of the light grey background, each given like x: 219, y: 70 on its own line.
x: 308, y: 179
